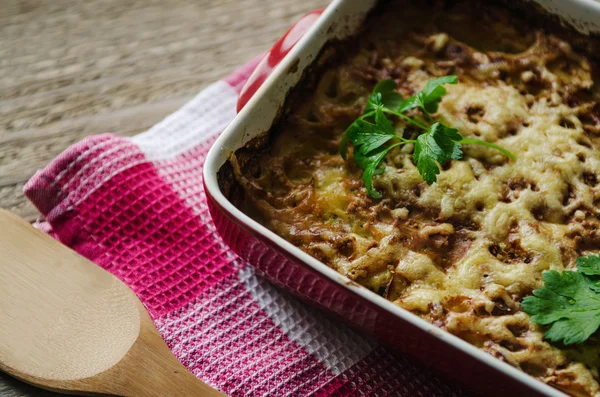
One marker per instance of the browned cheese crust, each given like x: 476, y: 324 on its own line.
x: 463, y: 252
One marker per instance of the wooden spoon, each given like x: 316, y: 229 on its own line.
x: 69, y: 326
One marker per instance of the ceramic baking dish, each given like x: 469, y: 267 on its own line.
x: 294, y: 270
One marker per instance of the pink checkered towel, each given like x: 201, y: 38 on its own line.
x: 136, y: 207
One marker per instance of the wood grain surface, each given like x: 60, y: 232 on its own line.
x: 72, y: 68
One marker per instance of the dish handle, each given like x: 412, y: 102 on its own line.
x: 275, y: 55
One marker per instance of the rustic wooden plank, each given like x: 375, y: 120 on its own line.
x: 70, y: 69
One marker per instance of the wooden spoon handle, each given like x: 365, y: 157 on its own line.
x: 150, y: 357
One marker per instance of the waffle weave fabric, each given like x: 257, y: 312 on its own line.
x: 136, y: 206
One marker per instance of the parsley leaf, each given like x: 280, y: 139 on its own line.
x: 368, y: 140
x: 369, y: 164
x: 384, y: 95
x: 438, y: 145
x: 589, y: 265
x: 431, y: 96
x: 570, y: 302
x: 370, y: 136
x: 366, y: 136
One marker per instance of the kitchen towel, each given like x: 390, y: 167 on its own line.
x: 136, y: 206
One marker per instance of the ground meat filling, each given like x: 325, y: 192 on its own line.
x: 461, y: 253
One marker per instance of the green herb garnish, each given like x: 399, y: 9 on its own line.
x: 373, y: 136
x: 570, y: 302
x: 438, y: 145
x: 431, y: 96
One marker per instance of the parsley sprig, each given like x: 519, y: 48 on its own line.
x: 372, y: 134
x: 570, y: 302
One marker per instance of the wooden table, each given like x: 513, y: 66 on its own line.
x: 72, y: 68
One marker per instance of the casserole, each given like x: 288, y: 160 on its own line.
x: 295, y: 270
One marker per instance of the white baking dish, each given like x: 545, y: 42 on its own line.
x: 251, y: 240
